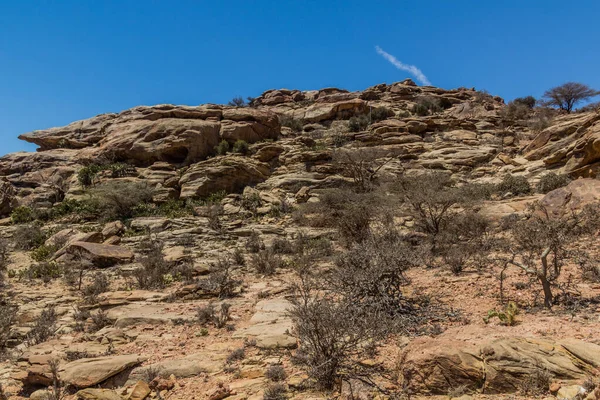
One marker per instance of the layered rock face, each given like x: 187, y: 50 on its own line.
x: 171, y: 147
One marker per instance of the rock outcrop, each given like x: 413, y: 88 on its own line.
x: 501, y: 366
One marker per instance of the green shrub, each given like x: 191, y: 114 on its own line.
x: 294, y: 124
x: 517, y: 185
x: 42, y: 253
x: 528, y: 101
x: 222, y: 148
x: 119, y: 199
x: 426, y: 106
x: 44, y: 270
x: 381, y: 113
x: 552, y: 181
x: 87, y: 174
x: 22, y: 215
x: 240, y: 147
x: 357, y: 124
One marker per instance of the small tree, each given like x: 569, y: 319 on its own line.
x: 540, y: 244
x: 567, y: 95
x: 363, y: 165
x: 237, y: 102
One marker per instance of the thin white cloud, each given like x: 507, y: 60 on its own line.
x: 404, y: 67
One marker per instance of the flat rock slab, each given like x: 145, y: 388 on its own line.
x: 128, y: 296
x: 98, y: 394
x: 144, y: 313
x: 208, y: 362
x: 101, y: 255
x: 87, y: 372
x: 270, y: 325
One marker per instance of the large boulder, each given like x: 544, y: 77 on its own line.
x: 249, y: 124
x: 340, y: 110
x: 162, y: 133
x: 501, y: 366
x: 573, y: 197
x: 87, y: 372
x: 229, y: 174
x: 101, y: 255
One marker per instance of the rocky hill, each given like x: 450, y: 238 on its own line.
x: 160, y: 252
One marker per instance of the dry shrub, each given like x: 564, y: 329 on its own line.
x: 100, y: 284
x: 266, y: 262
x: 254, y: 243
x: 44, y: 326
x: 209, y: 315
x: 119, y: 199
x: 552, y: 181
x: 350, y: 212
x: 275, y: 373
x: 99, y: 320
x: 154, y: 270
x: 220, y: 281
x: 28, y: 237
x: 8, y: 317
x: 275, y: 391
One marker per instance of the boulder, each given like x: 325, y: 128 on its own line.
x: 270, y: 326
x: 249, y: 124
x: 114, y: 228
x: 573, y: 197
x: 500, y: 366
x: 140, y: 391
x: 100, y: 254
x: 340, y: 110
x: 98, y: 394
x: 87, y: 372
x: 229, y: 174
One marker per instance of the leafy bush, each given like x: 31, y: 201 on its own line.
x: 222, y: 148
x: 44, y: 270
x: 44, y: 326
x: 22, y: 215
x: 240, y: 147
x: 294, y: 124
x: 508, y: 316
x: 516, y: 185
x: 119, y: 199
x: 42, y: 253
x: 87, y: 174
x: 552, y: 181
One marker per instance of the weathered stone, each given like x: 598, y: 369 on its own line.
x: 140, y: 391
x: 98, y: 394
x: 87, y: 372
x: 229, y: 174
x: 101, y: 255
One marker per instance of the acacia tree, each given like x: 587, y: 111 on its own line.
x: 567, y: 95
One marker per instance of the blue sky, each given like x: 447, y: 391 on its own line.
x: 66, y: 60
